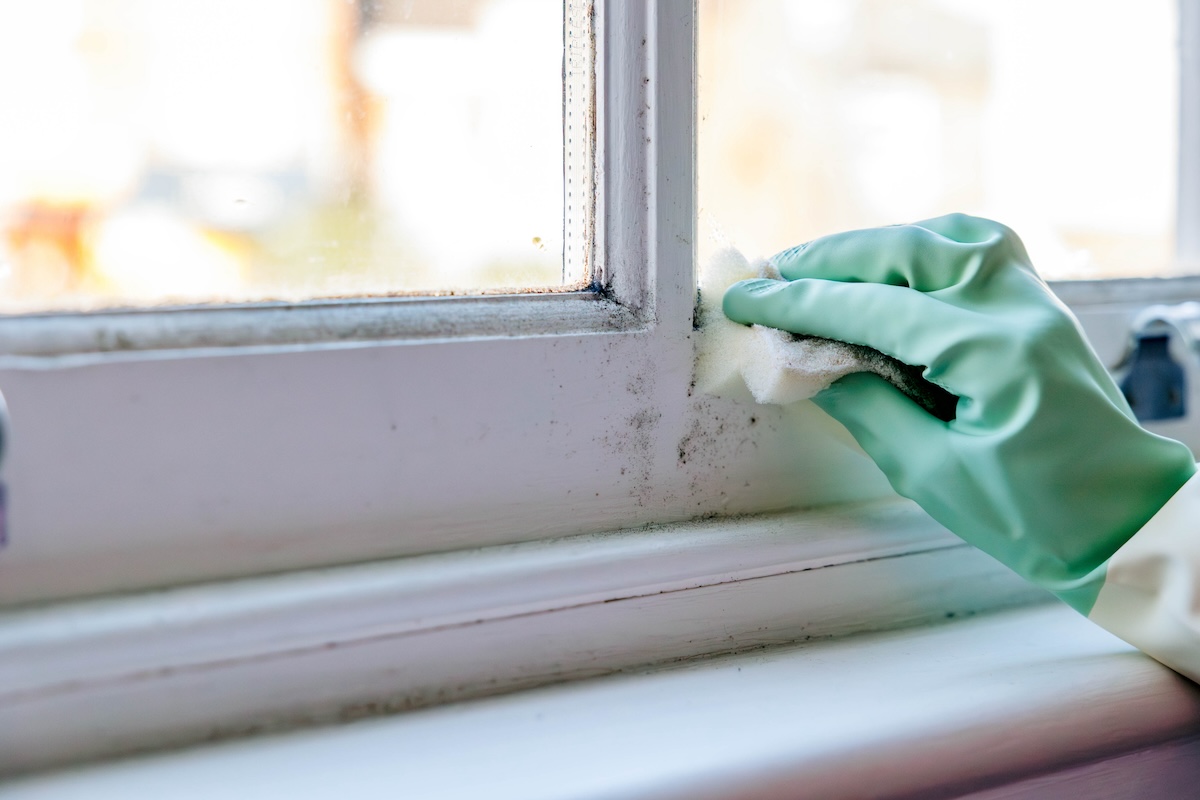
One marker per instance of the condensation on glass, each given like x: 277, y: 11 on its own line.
x: 159, y: 152
x: 1057, y: 117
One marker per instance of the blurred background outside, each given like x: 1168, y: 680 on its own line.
x: 181, y: 151
x: 1056, y: 117
x: 188, y: 151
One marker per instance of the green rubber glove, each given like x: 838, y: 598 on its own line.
x: 1044, y: 466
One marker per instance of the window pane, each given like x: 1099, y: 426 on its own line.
x: 827, y: 115
x: 181, y: 151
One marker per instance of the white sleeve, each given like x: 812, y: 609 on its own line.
x: 1151, y: 592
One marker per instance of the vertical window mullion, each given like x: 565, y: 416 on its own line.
x: 1187, y: 229
x: 645, y: 186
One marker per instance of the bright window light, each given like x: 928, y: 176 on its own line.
x: 1057, y: 117
x: 160, y: 152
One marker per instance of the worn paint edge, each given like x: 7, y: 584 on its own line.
x: 68, y: 339
x: 226, y: 659
x: 73, y: 641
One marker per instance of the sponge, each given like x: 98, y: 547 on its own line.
x: 780, y: 367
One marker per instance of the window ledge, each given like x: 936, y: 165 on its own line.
x: 112, y: 676
x: 931, y: 712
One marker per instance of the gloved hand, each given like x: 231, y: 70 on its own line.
x: 1044, y: 466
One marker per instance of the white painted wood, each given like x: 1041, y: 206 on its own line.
x: 52, y: 341
x: 136, y: 470
x: 109, y: 676
x: 932, y: 712
x: 1187, y: 228
x: 106, y: 638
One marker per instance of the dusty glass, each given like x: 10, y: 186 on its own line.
x: 159, y: 152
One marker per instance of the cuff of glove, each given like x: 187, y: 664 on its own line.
x: 1151, y: 591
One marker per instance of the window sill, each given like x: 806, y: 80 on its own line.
x: 107, y: 677
x: 1037, y: 695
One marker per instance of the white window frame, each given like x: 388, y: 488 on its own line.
x: 156, y: 448
x: 150, y: 448
x: 138, y: 468
x: 365, y: 543
x: 1187, y: 234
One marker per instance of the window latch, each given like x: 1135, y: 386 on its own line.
x: 1153, y: 381
x: 1155, y: 385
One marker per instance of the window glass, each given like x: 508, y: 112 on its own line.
x: 189, y: 151
x: 1057, y: 117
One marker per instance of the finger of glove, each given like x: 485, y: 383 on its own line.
x: 901, y: 255
x: 908, y: 443
x: 965, y: 229
x: 998, y: 240
x: 907, y: 325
